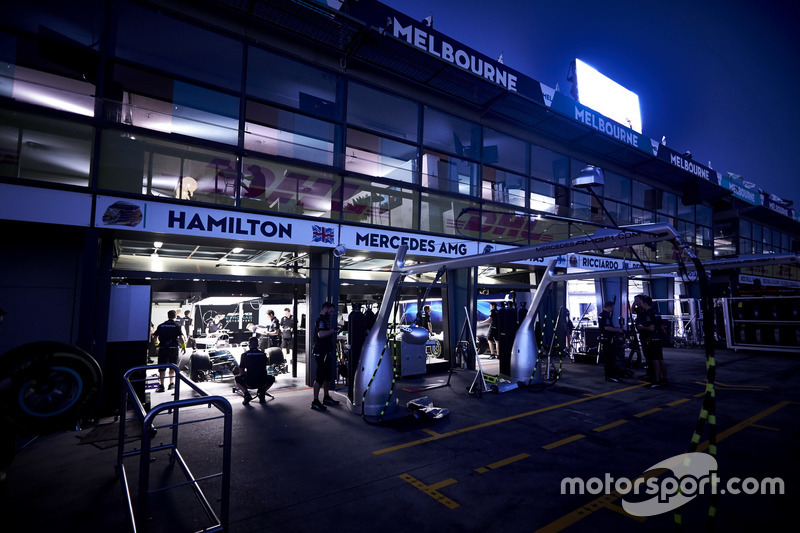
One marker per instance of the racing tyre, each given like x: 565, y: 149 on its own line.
x: 48, y: 386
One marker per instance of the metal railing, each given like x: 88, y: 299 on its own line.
x: 138, y: 510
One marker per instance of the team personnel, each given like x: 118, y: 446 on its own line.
x: 323, y: 349
x: 254, y: 373
x: 169, y: 337
x: 610, y: 341
x: 651, y: 330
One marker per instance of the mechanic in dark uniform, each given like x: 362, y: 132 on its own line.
x: 169, y: 337
x: 324, y: 350
x: 651, y: 330
x: 425, y: 319
x: 356, y: 335
x: 610, y: 341
x: 273, y: 329
x: 254, y: 373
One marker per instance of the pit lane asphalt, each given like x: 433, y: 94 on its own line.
x: 495, y: 463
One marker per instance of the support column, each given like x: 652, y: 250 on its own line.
x: 323, y: 286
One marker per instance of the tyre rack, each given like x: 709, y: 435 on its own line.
x: 138, y: 515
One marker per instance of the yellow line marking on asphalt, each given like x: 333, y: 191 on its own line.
x: 741, y: 386
x: 562, y: 442
x: 744, y: 423
x: 700, y: 394
x: 603, y: 501
x: 764, y: 427
x: 432, y: 490
x: 502, y: 420
x: 611, y: 425
x: 508, y: 461
x: 648, y: 412
x: 431, y: 432
x: 678, y: 402
x: 723, y: 386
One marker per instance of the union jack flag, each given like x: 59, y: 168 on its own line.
x: 322, y: 234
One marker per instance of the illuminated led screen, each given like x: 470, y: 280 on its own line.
x: 607, y: 97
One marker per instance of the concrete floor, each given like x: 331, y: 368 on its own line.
x: 495, y: 463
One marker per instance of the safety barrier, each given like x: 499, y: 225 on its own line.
x: 139, y: 514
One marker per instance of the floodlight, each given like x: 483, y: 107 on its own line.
x: 589, y: 177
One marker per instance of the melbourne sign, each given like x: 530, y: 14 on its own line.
x: 420, y: 35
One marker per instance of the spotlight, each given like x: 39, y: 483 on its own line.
x: 339, y: 251
x: 588, y: 178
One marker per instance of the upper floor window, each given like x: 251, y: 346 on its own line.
x: 382, y: 112
x: 550, y: 166
x: 450, y: 134
x: 378, y: 156
x: 44, y: 149
x: 275, y: 131
x: 153, y: 38
x: 504, y: 151
x: 290, y: 83
x: 156, y: 102
x: 145, y: 165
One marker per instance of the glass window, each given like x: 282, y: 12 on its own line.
x: 504, y: 187
x: 449, y: 215
x: 766, y: 239
x: 745, y: 246
x: 153, y: 38
x: 724, y: 243
x: 274, y: 131
x: 450, y: 134
x: 380, y: 157
x: 549, y: 165
x: 669, y: 204
x: 156, y: 102
x: 502, y: 225
x: 143, y: 165
x: 273, y: 186
x: 543, y: 230
x: 617, y: 187
x: 685, y: 212
x: 44, y: 149
x: 282, y: 80
x: 441, y: 172
x: 703, y: 215
x: 377, y: 203
x: 55, y: 75
x: 745, y: 229
x: 581, y: 205
x: 542, y: 197
x: 620, y: 212
x: 777, y: 238
x: 705, y: 237
x: 382, y: 112
x: 504, y: 151
x: 66, y: 24
x: 687, y: 231
x: 641, y: 196
x: 642, y: 216
x: 757, y: 233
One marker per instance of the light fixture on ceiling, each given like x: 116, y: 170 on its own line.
x: 158, y: 244
x: 237, y: 250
